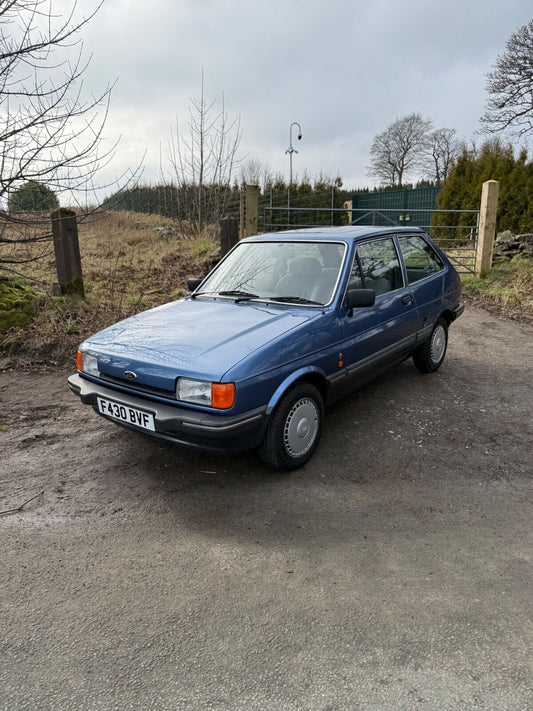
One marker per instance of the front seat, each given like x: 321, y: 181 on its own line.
x: 302, y: 277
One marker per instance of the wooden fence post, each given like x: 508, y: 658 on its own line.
x: 348, y: 207
x: 67, y: 251
x: 229, y: 234
x: 487, y: 226
x: 252, y: 210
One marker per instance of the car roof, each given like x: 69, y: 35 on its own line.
x: 346, y: 232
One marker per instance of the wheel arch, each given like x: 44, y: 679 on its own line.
x: 310, y: 375
x: 448, y: 316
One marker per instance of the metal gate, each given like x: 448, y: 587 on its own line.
x: 455, y: 231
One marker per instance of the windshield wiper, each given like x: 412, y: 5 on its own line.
x: 241, y: 295
x: 295, y: 300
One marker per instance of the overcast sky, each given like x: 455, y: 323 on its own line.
x: 344, y: 70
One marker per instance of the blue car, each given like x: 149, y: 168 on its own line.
x: 283, y: 326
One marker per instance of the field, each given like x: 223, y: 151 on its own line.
x: 133, y: 261
x: 130, y: 262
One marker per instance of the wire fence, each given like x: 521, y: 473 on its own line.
x: 301, y: 206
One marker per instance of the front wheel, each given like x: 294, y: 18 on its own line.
x: 429, y: 356
x: 294, y: 428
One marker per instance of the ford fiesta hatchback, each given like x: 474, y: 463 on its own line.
x: 282, y: 327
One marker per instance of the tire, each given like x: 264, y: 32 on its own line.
x: 430, y: 355
x: 294, y: 429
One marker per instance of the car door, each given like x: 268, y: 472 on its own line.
x: 376, y: 336
x: 424, y: 272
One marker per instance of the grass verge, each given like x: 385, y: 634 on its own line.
x: 507, y: 289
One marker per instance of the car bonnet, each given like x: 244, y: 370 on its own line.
x: 193, y: 338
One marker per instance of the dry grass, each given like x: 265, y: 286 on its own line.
x: 506, y: 289
x: 462, y: 259
x: 130, y: 262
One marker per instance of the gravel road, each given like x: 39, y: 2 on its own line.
x: 392, y: 573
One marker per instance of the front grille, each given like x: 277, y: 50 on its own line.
x: 138, y: 387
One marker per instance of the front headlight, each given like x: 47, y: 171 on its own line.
x: 88, y: 364
x: 201, y: 392
x: 197, y: 391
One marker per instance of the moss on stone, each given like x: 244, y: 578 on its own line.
x: 17, y: 304
x: 74, y: 287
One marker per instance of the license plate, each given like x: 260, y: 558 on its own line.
x: 127, y: 414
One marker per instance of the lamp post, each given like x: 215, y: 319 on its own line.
x: 290, y: 150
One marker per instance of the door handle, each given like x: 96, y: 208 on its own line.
x: 406, y: 299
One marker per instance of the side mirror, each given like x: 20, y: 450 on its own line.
x: 358, y: 298
x: 193, y: 283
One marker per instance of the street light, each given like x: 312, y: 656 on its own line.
x: 290, y: 150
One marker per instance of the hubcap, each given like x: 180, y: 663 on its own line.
x: 438, y: 344
x: 301, y: 427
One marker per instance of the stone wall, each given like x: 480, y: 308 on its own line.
x: 507, y: 245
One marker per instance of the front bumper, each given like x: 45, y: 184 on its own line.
x: 209, y: 433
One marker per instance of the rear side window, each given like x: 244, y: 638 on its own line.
x: 421, y: 260
x: 380, y: 268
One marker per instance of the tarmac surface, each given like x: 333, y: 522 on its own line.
x: 391, y: 573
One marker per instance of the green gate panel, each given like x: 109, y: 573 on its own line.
x: 400, y: 203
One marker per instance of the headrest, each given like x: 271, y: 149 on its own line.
x: 304, y: 266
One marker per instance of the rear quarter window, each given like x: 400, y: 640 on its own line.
x: 421, y: 260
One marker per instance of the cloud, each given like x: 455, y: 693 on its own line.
x: 344, y: 70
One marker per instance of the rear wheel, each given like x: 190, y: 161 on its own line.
x: 294, y: 428
x: 429, y: 356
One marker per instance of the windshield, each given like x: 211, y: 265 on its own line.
x: 291, y: 272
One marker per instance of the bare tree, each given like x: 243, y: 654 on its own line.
x: 442, y: 151
x: 254, y: 172
x: 399, y: 149
x: 49, y: 132
x: 203, y: 159
x: 510, y: 86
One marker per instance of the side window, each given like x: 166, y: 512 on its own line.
x: 380, y: 266
x: 420, y: 259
